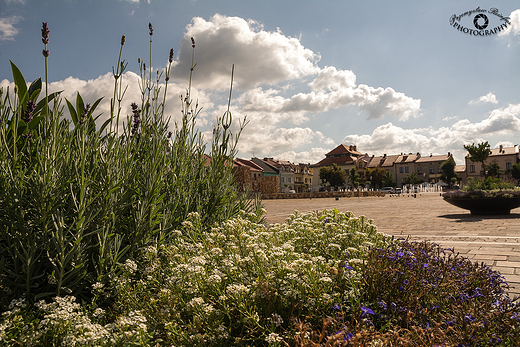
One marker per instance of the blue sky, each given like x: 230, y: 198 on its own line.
x: 388, y: 77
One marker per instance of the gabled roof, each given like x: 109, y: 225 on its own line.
x: 432, y: 158
x: 268, y: 168
x: 504, y: 151
x: 344, y: 150
x: 339, y: 161
x: 248, y: 163
x: 407, y: 158
x: 389, y: 160
x: 460, y: 168
x: 375, y: 161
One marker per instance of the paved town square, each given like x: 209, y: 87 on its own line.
x: 494, y: 240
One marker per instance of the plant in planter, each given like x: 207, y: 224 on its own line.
x: 490, y: 196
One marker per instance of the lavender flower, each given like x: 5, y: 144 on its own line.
x: 45, y: 53
x: 45, y: 33
x: 137, y: 120
x: 336, y: 307
x: 83, y: 114
x: 28, y: 115
x: 123, y: 39
x: 151, y: 28
x: 192, y: 42
x: 171, y: 56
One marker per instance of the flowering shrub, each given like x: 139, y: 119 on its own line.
x: 77, y: 197
x: 486, y: 188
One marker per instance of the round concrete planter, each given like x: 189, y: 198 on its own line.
x: 486, y: 206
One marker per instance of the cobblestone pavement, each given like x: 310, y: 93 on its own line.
x: 494, y: 240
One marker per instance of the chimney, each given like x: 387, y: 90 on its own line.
x: 355, y: 148
x: 501, y: 148
x: 449, y: 154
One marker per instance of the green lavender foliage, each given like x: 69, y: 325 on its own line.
x: 78, y: 198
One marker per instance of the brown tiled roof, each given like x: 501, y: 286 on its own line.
x: 342, y: 149
x: 375, y: 161
x: 249, y: 163
x: 425, y: 159
x: 389, y: 160
x: 504, y: 151
x: 268, y: 168
x: 338, y: 161
x: 460, y: 168
x: 407, y: 158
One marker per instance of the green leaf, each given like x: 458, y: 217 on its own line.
x: 20, y: 83
x: 80, y: 106
x: 41, y: 104
x: 35, y: 89
x: 72, y: 112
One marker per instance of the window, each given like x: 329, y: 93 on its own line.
x: 508, y: 166
x: 406, y: 170
x: 472, y: 168
x: 283, y: 179
x: 431, y: 169
x: 401, y: 169
x: 288, y: 180
x: 360, y: 164
x: 440, y: 169
x: 419, y: 170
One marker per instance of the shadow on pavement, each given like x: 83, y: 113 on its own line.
x: 465, y: 217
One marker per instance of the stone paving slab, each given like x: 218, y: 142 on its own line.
x: 494, y: 240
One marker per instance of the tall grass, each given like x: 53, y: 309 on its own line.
x: 78, y: 197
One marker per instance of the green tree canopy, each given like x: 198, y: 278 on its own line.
x: 333, y: 174
x: 388, y: 179
x: 479, y: 153
x: 493, y: 170
x: 375, y: 176
x: 448, y: 171
x: 353, y: 177
x: 515, y: 171
x: 412, y: 179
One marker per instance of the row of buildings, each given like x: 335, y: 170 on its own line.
x: 305, y: 177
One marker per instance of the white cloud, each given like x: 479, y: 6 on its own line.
x: 391, y: 139
x: 375, y: 102
x: 18, y: 1
x: 103, y: 86
x: 514, y: 28
x: 7, y: 29
x: 312, y: 156
x: 489, y: 97
x: 260, y: 57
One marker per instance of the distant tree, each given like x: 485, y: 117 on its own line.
x: 375, y: 176
x: 412, y: 179
x: 333, y: 174
x: 448, y: 171
x: 493, y: 169
x: 353, y: 177
x: 479, y: 153
x: 515, y: 171
x: 388, y: 179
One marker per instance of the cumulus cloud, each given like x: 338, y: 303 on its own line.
x: 312, y: 156
x: 391, y: 139
x: 7, y: 28
x: 489, y: 97
x: 260, y: 56
x: 514, y: 28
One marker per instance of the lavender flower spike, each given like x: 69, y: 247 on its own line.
x: 45, y: 33
x: 192, y: 42
x: 171, y: 56
x: 151, y: 28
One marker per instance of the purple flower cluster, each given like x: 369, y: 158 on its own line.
x: 45, y: 38
x: 137, y: 118
x: 29, y: 109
